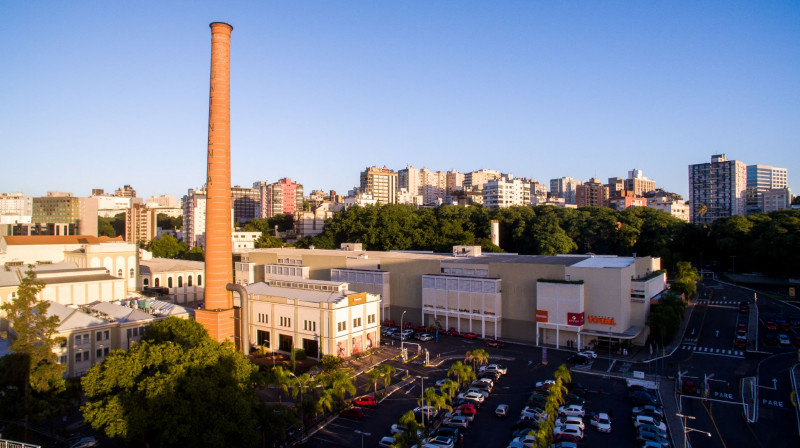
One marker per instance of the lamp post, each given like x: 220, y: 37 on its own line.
x: 422, y: 396
x: 302, y: 386
x: 687, y: 430
x: 401, y: 331
x: 362, y: 436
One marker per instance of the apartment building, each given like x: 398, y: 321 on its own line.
x: 717, y: 189
x: 762, y: 179
x: 380, y: 183
x: 565, y: 188
x: 591, y: 194
x: 502, y: 193
x: 141, y: 224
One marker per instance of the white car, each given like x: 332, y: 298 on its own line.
x: 570, y: 430
x: 441, y: 382
x: 484, y: 381
x: 571, y: 420
x: 544, y: 384
x: 456, y: 421
x: 425, y: 337
x: 429, y: 411
x: 493, y: 368
x: 471, y: 396
x: 647, y: 409
x: 588, y: 353
x: 528, y: 441
x: 386, y: 442
x: 501, y: 410
x: 439, y: 442
x: 649, y: 420
x: 602, y: 422
x: 573, y: 409
x: 469, y: 417
x: 483, y: 393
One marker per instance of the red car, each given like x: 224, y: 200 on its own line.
x: 565, y: 438
x: 366, y: 400
x: 467, y: 409
x: 452, y: 332
x: 388, y: 323
x: 740, y: 343
x: 469, y: 335
x: 495, y: 343
x: 744, y: 308
x: 421, y: 328
x: 408, y: 325
x: 357, y: 413
x: 770, y: 325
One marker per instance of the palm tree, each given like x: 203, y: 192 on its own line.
x: 463, y: 373
x: 386, y: 373
x: 341, y: 384
x: 325, y: 401
x: 478, y: 357
x: 562, y: 375
x: 374, y: 377
x: 449, y: 389
x: 281, y: 379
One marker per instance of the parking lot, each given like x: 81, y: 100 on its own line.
x: 605, y: 394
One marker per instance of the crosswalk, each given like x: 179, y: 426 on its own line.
x: 713, y: 350
x: 719, y: 302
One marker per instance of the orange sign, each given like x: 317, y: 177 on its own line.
x: 541, y: 316
x: 601, y: 320
x: 357, y: 299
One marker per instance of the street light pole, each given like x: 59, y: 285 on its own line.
x: 401, y: 331
x: 362, y: 436
x: 422, y: 397
x: 302, y: 386
x: 687, y: 430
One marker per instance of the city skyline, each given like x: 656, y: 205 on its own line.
x: 108, y: 95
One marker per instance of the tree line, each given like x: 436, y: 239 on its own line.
x: 767, y: 243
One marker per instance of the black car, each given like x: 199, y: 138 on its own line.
x: 640, y: 397
x: 575, y: 386
x: 455, y: 433
x: 525, y: 424
x: 579, y: 359
x: 770, y: 339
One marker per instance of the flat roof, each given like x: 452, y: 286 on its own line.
x: 26, y: 240
x: 304, y: 295
x: 605, y: 261
x: 156, y: 265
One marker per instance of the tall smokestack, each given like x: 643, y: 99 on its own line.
x: 218, y: 315
x: 495, y: 232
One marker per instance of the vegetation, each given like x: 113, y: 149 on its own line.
x: 169, y: 247
x: 202, y: 391
x: 477, y: 357
x: 167, y: 222
x: 555, y: 398
x: 765, y: 243
x: 665, y: 317
x: 111, y: 227
x: 31, y: 377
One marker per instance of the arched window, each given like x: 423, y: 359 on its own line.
x: 189, y: 280
x: 180, y: 281
x: 199, y: 280
x: 119, y: 273
x: 131, y: 274
x: 169, y: 282
x: 157, y: 282
x: 146, y: 282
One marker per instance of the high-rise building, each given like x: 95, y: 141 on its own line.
x: 246, y: 204
x: 380, y: 183
x: 455, y: 182
x: 283, y: 196
x: 15, y: 205
x: 591, y: 194
x: 475, y: 180
x: 194, y: 217
x: 125, y: 192
x: 717, y: 189
x: 564, y: 187
x: 141, y: 224
x: 218, y: 314
x: 64, y: 215
x: 502, y: 193
x: 760, y: 179
x: 434, y: 184
x: 409, y: 178
x: 776, y: 199
x: 616, y: 187
x: 638, y: 184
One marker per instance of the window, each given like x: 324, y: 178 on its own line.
x: 180, y: 281
x: 157, y: 282
x: 131, y: 273
x: 98, y: 353
x: 341, y: 326
x: 119, y: 273
x: 169, y: 282
x: 199, y: 280
x: 86, y: 356
x: 62, y: 359
x: 370, y: 319
x: 106, y: 334
x: 86, y: 338
x: 357, y: 322
x: 146, y: 282
x: 286, y: 322
x: 309, y: 325
x: 77, y: 339
x: 99, y: 336
x: 136, y: 332
x: 129, y: 333
x: 263, y: 318
x: 189, y: 281
x: 77, y: 357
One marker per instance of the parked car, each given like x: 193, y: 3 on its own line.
x: 452, y: 332
x: 690, y: 388
x: 493, y: 368
x: 471, y: 396
x: 647, y: 409
x: 466, y: 409
x: 425, y: 337
x: 770, y: 339
x: 544, y: 385
x: 569, y: 429
x: 601, y: 421
x: 645, y: 435
x: 469, y: 417
x: 353, y: 412
x: 439, y: 442
x: 501, y: 410
x: 744, y: 308
x: 573, y: 409
x: 477, y: 390
x: 579, y: 359
x: 455, y: 433
x: 469, y: 335
x: 740, y: 342
x: 386, y: 442
x: 366, y: 401
x: 570, y: 420
x: 456, y: 421
x: 588, y: 353
x: 559, y: 438
x: 420, y: 328
x: 640, y: 397
x: 85, y: 442
x: 640, y: 420
x: 647, y: 427
x: 770, y: 325
x: 495, y: 343
x: 784, y: 339
x: 527, y: 440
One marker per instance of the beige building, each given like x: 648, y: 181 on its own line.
x: 318, y: 316
x: 381, y: 183
x: 141, y: 224
x: 494, y: 295
x: 178, y: 280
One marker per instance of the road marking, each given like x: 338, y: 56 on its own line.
x: 611, y: 366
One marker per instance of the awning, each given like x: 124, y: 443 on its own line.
x: 630, y: 333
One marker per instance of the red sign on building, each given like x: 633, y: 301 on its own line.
x: 541, y: 315
x: 575, y: 319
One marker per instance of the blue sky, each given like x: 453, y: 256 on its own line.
x: 101, y: 94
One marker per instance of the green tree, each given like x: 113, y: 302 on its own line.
x: 374, y: 377
x: 167, y: 247
x: 33, y: 371
x: 386, y: 373
x: 104, y: 227
x: 167, y: 222
x: 202, y: 391
x: 463, y: 373
x: 477, y: 357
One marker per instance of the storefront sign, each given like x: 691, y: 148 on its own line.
x: 357, y: 299
x: 601, y: 320
x: 541, y: 316
x: 576, y: 319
